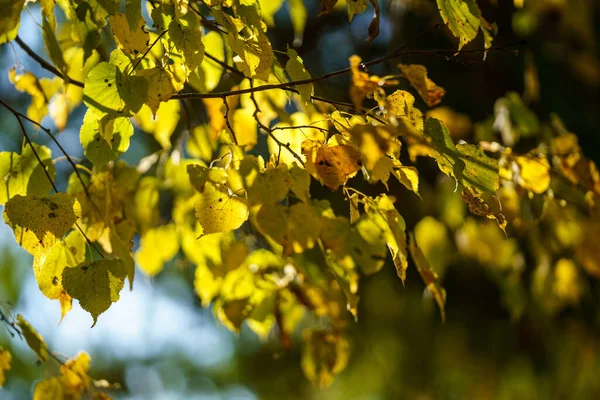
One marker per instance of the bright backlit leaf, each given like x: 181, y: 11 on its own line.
x: 104, y: 140
x: 429, y: 276
x: 157, y: 246
x: 462, y: 17
x: 22, y: 173
x: 431, y: 93
x: 219, y: 211
x: 133, y: 41
x: 5, y: 359
x: 9, y: 21
x: 295, y: 68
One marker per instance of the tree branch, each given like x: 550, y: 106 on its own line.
x: 45, y: 64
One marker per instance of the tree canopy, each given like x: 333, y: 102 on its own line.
x: 209, y: 144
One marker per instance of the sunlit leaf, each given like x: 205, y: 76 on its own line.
x: 295, y: 68
x: 104, y: 140
x: 50, y: 388
x: 219, y: 211
x: 5, y: 359
x: 157, y: 246
x: 332, y: 165
x: 130, y: 40
x: 74, y: 375
x: 462, y: 17
x: 429, y: 276
x: 22, y: 173
x: 431, y: 93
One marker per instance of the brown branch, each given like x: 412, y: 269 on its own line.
x: 270, y: 131
x: 289, y: 85
x: 227, y: 109
x: 45, y: 64
x: 147, y: 51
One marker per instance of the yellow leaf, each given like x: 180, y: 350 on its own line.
x: 244, y: 127
x: 300, y: 183
x: 429, y: 276
x: 74, y: 375
x: 264, y: 187
x: 160, y: 87
x: 48, y: 270
x: 33, y: 338
x: 46, y: 389
x: 478, y: 206
x: 534, y: 173
x: 132, y: 41
x: 41, y: 92
x: 566, y: 281
x: 219, y: 211
x: 416, y: 74
x: 332, y: 165
x: 296, y: 228
x: 59, y: 110
x: 121, y: 237
x: 186, y: 36
x: 392, y: 224
x: 5, y: 359
x: 295, y: 68
x: 401, y: 104
x: 163, y: 124
x: 39, y: 222
x: 22, y: 174
x: 365, y: 85
x: 95, y: 284
x: 324, y: 355
x: 157, y: 246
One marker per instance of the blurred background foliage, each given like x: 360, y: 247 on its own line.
x: 523, y: 318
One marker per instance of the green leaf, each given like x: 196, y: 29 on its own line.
x: 52, y: 46
x: 462, y: 17
x: 95, y: 284
x: 104, y: 139
x: 22, y: 173
x: 466, y: 163
x: 108, y: 91
x: 33, y: 338
x: 39, y: 222
x: 10, y: 18
x: 121, y: 240
x: 295, y: 68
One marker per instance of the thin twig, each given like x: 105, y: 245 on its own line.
x: 227, y: 121
x: 45, y: 64
x: 270, y: 131
x: 37, y: 156
x: 147, y: 51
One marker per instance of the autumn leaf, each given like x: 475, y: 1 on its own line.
x: 218, y: 211
x: 95, y: 284
x: 33, y: 338
x: 5, y: 359
x: 325, y: 355
x: 431, y: 93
